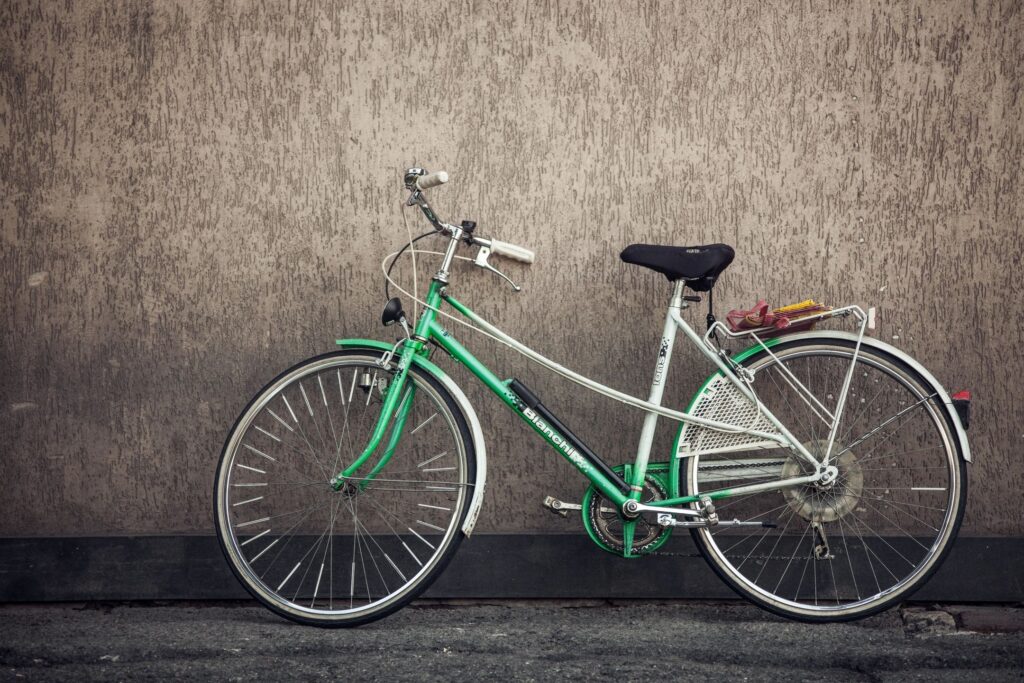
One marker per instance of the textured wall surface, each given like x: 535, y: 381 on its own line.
x: 195, y: 195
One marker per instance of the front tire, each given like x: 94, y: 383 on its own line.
x: 851, y: 549
x: 342, y: 558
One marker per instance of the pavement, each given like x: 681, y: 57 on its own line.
x: 528, y: 641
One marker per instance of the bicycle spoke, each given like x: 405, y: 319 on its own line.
x: 872, y: 432
x: 791, y: 558
x: 775, y: 547
x: 344, y: 426
x: 785, y: 394
x: 284, y: 517
x: 321, y: 432
x: 846, y: 545
x: 362, y: 534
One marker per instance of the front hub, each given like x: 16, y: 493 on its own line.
x: 345, y: 487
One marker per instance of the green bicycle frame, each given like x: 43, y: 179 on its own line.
x: 395, y: 409
x: 398, y: 398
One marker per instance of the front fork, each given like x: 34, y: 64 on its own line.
x: 398, y: 398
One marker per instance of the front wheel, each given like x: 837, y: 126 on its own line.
x: 342, y: 558
x: 860, y: 543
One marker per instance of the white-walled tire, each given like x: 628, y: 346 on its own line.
x: 870, y: 540
x: 341, y: 558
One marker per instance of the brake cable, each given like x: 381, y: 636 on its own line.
x: 398, y: 254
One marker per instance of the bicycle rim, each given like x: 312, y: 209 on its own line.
x: 856, y: 547
x: 329, y: 557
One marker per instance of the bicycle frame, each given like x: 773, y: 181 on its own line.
x: 901, y: 511
x: 399, y: 397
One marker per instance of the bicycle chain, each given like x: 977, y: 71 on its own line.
x: 735, y: 557
x: 740, y: 465
x: 744, y: 557
x: 663, y: 553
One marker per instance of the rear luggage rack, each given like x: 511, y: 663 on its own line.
x: 758, y: 332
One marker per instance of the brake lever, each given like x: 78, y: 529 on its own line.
x: 481, y: 261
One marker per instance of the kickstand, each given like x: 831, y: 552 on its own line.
x: 821, y: 550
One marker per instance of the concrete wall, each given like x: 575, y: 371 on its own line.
x: 196, y: 195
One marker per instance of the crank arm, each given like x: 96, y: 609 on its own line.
x: 632, y: 508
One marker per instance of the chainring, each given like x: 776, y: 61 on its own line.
x: 607, y: 524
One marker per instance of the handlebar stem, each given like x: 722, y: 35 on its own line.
x: 454, y: 233
x: 449, y: 254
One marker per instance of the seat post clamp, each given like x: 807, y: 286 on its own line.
x: 711, y: 320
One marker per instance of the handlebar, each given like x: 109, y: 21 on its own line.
x: 425, y: 182
x: 512, y: 251
x: 416, y: 181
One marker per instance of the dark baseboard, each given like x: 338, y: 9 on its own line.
x: 518, y: 566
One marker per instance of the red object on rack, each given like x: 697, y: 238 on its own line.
x: 785, y: 319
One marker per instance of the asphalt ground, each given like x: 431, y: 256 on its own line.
x: 509, y: 641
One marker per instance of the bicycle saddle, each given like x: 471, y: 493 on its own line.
x: 699, y: 266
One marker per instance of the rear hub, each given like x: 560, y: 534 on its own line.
x: 830, y: 499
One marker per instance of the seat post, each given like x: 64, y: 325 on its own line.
x: 664, y: 358
x: 677, y: 294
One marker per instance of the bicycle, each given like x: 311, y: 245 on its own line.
x: 822, y: 474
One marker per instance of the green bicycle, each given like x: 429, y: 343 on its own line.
x: 822, y: 474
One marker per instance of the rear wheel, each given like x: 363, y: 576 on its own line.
x: 866, y: 540
x: 342, y: 558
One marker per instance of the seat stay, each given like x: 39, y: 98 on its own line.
x: 787, y: 437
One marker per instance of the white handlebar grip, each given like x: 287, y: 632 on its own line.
x: 426, y: 182
x: 512, y: 251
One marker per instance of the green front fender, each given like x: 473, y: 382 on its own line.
x: 376, y: 345
x: 456, y: 392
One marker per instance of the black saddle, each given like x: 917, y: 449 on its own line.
x: 699, y: 266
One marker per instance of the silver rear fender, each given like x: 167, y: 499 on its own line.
x: 943, y: 394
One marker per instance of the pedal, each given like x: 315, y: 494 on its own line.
x: 560, y: 507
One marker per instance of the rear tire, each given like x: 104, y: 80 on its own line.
x: 884, y: 527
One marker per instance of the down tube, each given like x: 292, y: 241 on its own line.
x: 501, y: 388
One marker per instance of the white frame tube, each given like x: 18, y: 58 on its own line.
x: 784, y: 437
x: 668, y: 341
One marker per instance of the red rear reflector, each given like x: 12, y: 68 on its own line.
x: 962, y: 404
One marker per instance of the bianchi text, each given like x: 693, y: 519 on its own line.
x: 556, y: 438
